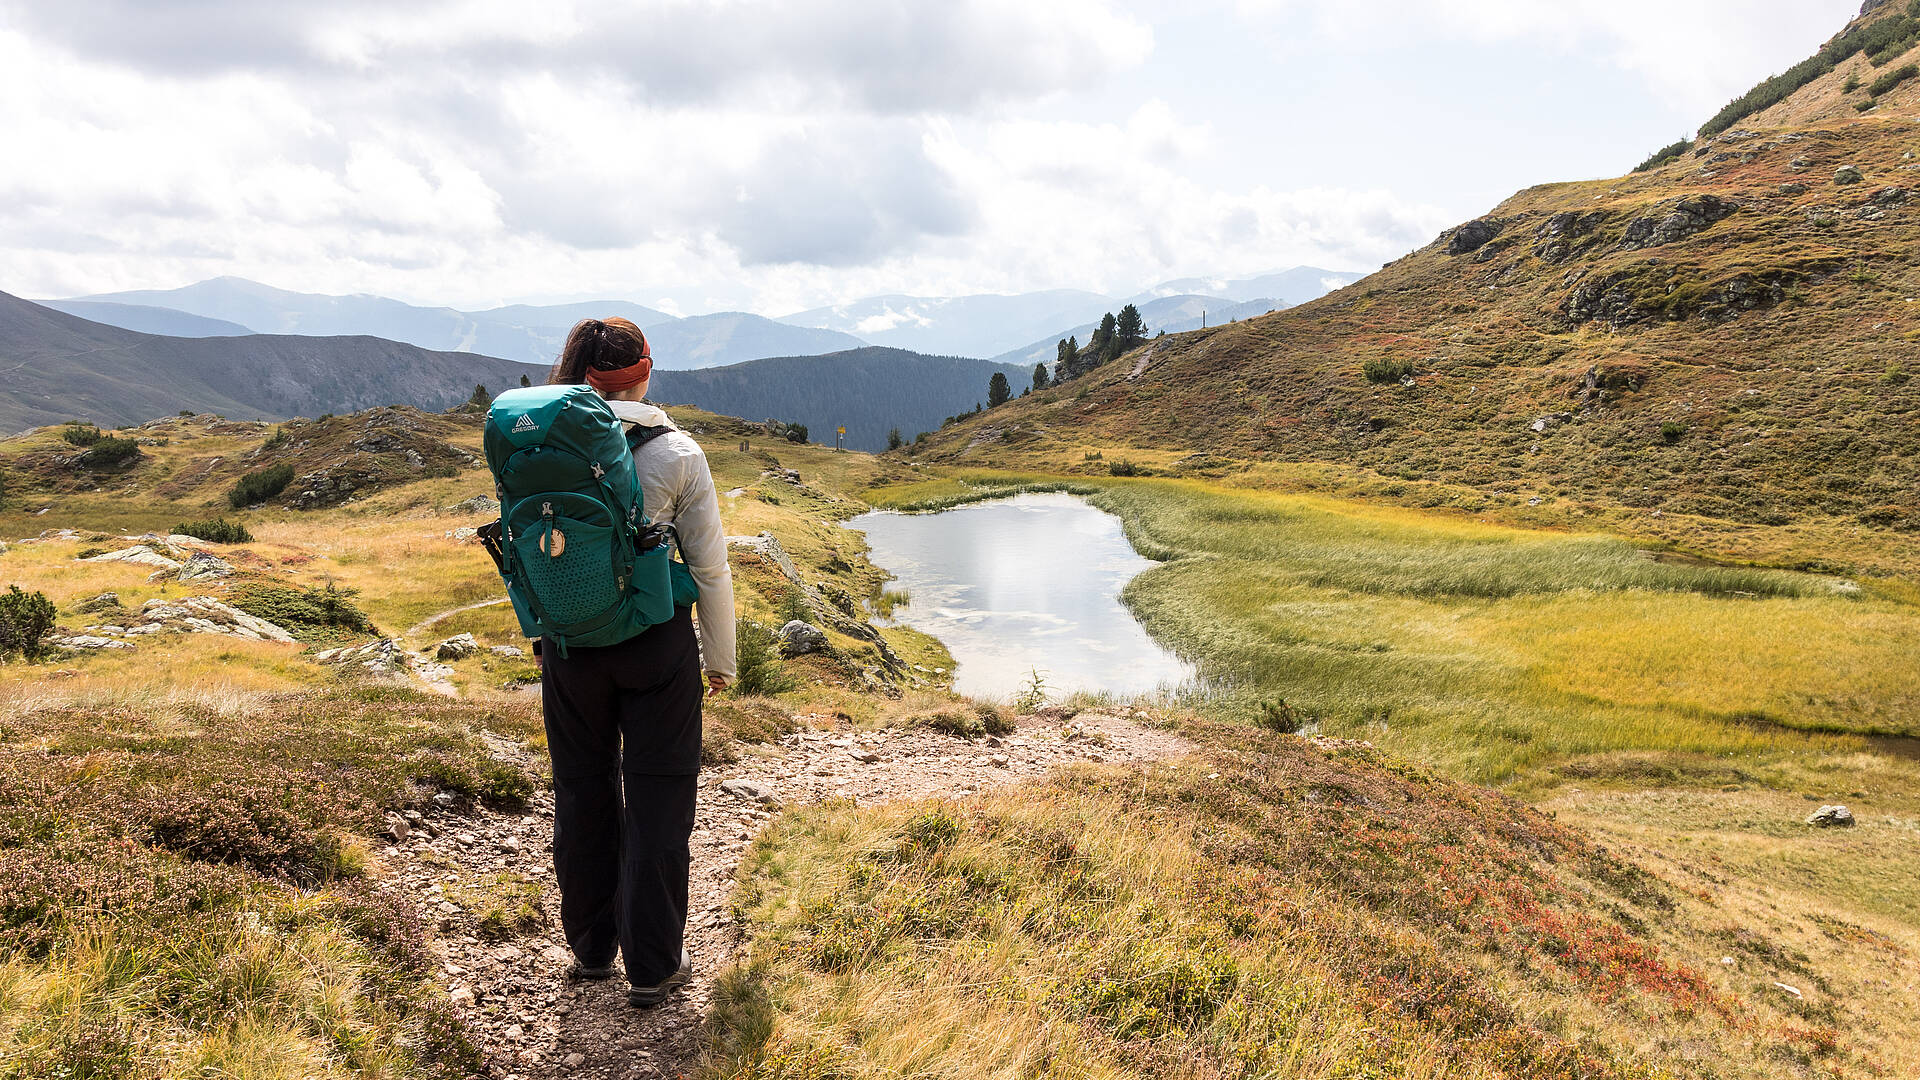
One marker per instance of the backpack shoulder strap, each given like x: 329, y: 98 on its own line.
x: 638, y: 437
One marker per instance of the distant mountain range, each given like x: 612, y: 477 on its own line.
x: 60, y: 367
x: 869, y: 391
x: 525, y: 332
x: 982, y: 325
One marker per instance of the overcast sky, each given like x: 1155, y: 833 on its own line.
x: 782, y: 154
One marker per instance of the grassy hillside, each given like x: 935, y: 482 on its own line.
x: 61, y: 367
x: 1728, y: 334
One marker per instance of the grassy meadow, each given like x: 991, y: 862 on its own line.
x: 191, y: 880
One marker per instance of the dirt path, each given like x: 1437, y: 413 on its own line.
x: 536, y: 1025
x: 420, y: 627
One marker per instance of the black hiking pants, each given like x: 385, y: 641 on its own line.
x: 625, y: 716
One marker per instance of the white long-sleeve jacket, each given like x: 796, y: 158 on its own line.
x: 678, y: 487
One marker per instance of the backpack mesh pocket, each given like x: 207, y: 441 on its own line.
x: 574, y: 581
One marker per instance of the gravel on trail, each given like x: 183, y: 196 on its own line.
x: 535, y: 1025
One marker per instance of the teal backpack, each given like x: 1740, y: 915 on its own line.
x: 583, y: 565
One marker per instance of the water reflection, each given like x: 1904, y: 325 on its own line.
x: 1022, y: 583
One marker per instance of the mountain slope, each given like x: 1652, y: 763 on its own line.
x: 147, y: 320
x: 869, y: 391
x: 731, y: 337
x: 1731, y: 333
x: 59, y: 367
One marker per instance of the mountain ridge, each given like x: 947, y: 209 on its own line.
x: 1728, y: 333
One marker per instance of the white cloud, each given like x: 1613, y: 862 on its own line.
x: 1704, y: 51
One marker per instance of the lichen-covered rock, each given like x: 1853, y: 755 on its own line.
x: 1831, y: 817
x: 204, y: 566
x: 139, y: 554
x: 1473, y: 236
x: 106, y: 601
x: 1847, y: 174
x: 458, y: 647
x: 478, y: 505
x: 203, y: 615
x: 799, y: 639
x: 383, y: 657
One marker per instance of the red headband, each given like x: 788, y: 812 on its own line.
x: 626, y: 378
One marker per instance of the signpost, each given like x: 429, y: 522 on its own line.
x: 838, y: 434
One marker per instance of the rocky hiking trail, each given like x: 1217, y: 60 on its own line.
x: 533, y: 1024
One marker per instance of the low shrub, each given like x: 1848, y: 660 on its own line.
x: 216, y: 531
x: 278, y: 439
x: 1672, y: 431
x: 26, y: 618
x: 1125, y: 468
x: 79, y: 434
x: 757, y: 652
x: 969, y: 723
x: 108, y: 451
x: 307, y: 614
x: 1384, y: 370
x: 1892, y: 79
x: 1670, y: 152
x: 260, y: 485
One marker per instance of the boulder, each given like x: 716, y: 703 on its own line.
x: 1847, y: 174
x: 106, y: 601
x: 751, y: 792
x: 382, y: 657
x: 800, y: 638
x: 1831, y: 817
x: 511, y: 652
x: 139, y: 554
x: 1794, y: 188
x: 203, y: 615
x: 1473, y: 236
x: 479, y: 505
x: 458, y: 647
x: 1688, y: 216
x: 204, y: 566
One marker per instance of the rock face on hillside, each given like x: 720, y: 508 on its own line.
x: 192, y: 615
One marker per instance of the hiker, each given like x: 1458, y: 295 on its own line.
x: 623, y: 716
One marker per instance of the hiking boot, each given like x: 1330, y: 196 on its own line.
x: 646, y: 997
x: 579, y: 972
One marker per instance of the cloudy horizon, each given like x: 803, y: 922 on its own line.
x: 778, y: 157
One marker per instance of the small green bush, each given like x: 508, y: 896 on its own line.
x: 278, y: 439
x: 1279, y: 716
x: 1670, y: 152
x: 1672, y: 431
x: 25, y: 621
x: 216, y: 531
x: 1853, y: 83
x: 108, y: 451
x: 793, y: 605
x: 260, y: 485
x: 1892, y: 79
x: 757, y: 652
x: 307, y: 614
x: 1124, y: 468
x: 1895, y: 375
x: 1385, y: 370
x: 80, y: 434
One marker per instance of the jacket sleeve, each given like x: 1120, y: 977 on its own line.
x: 703, y: 543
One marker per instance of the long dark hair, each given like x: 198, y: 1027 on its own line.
x: 599, y: 344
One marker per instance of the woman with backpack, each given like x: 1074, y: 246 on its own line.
x: 627, y: 715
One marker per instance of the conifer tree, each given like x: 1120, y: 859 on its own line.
x: 998, y: 392
x: 894, y: 441
x: 1132, y: 330
x: 1040, y: 378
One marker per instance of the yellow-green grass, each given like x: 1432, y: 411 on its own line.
x: 1497, y: 650
x: 1276, y: 910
